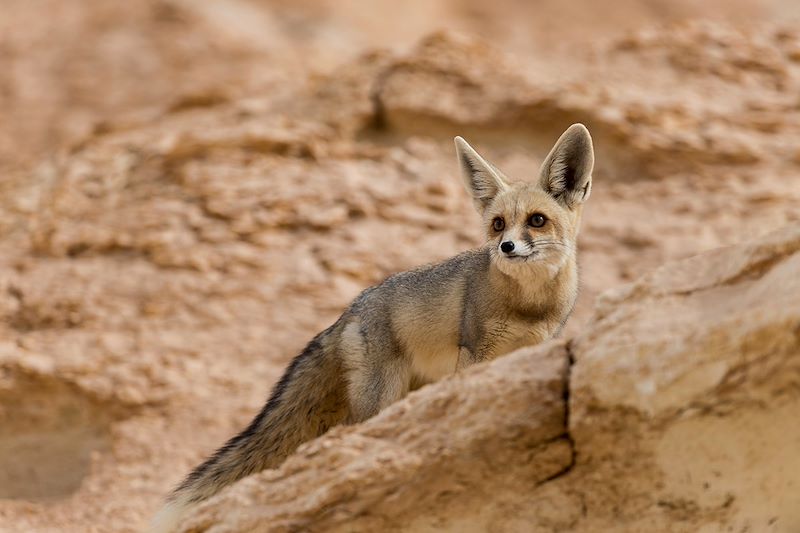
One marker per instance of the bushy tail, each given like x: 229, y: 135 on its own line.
x: 308, y: 400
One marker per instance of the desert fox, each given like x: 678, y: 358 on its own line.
x: 421, y: 325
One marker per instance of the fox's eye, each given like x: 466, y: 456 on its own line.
x: 498, y: 224
x: 537, y: 220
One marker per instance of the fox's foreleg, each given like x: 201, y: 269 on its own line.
x: 377, y: 371
x: 466, y: 357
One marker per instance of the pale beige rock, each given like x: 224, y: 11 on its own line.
x: 464, y: 455
x: 684, y: 393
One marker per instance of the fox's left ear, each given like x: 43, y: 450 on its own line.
x: 567, y: 170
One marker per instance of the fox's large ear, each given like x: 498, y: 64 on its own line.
x: 481, y: 179
x: 567, y: 171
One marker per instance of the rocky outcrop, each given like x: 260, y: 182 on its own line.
x: 673, y: 411
x: 683, y: 391
x: 442, y: 458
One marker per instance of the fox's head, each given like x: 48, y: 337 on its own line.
x: 532, y: 224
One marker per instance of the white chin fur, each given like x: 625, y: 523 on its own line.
x: 544, y: 268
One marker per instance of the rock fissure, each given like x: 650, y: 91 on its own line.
x: 568, y: 406
x: 567, y: 435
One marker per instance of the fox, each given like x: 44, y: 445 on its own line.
x: 419, y: 326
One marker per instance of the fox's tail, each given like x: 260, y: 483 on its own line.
x: 306, y: 402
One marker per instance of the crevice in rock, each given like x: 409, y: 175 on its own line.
x: 566, y: 435
x: 378, y: 122
x: 567, y: 405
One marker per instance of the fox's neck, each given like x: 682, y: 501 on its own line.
x: 537, y: 288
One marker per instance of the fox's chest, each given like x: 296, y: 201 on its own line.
x: 438, y: 357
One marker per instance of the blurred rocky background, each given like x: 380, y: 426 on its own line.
x: 190, y: 190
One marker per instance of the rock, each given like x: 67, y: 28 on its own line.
x: 683, y: 391
x: 463, y: 455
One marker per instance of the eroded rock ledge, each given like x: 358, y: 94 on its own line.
x: 682, y: 398
x: 439, y: 458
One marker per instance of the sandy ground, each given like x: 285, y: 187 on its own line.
x: 190, y: 191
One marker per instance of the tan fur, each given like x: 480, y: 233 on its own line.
x: 419, y: 326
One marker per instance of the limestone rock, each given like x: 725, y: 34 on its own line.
x: 684, y: 393
x: 464, y: 455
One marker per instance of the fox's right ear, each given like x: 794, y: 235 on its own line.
x: 481, y: 179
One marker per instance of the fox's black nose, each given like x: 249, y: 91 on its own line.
x: 507, y: 247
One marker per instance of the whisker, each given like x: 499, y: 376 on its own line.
x: 553, y: 243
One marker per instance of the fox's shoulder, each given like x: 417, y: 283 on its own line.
x: 461, y: 264
x: 431, y: 276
